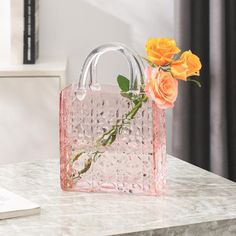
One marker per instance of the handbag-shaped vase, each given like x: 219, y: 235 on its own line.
x: 131, y: 161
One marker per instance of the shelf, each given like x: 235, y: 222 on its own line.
x: 40, y: 69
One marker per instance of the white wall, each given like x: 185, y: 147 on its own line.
x: 4, y: 31
x: 28, y: 119
x: 73, y: 28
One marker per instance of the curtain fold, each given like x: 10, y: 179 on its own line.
x: 204, y: 119
x: 218, y: 122
x: 230, y: 65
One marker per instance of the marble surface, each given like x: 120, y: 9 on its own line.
x: 195, y: 202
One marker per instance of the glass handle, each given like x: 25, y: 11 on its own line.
x: 136, y: 68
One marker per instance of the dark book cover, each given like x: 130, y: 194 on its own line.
x: 31, y: 28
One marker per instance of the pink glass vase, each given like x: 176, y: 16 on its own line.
x: 135, y: 163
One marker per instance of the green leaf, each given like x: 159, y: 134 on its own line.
x: 77, y: 156
x: 130, y: 97
x: 126, y: 95
x: 96, y: 155
x: 195, y: 81
x: 112, y: 139
x: 166, y: 68
x: 87, y: 165
x: 145, y: 98
x: 123, y: 83
x: 136, y: 84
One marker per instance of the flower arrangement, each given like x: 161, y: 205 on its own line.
x: 164, y: 70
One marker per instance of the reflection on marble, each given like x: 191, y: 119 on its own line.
x: 195, y: 202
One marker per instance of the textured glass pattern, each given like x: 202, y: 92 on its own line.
x: 135, y: 163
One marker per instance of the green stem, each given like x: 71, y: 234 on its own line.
x: 108, y: 138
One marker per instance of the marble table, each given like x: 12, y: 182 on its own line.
x: 195, y: 202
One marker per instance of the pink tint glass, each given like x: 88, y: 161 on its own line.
x: 135, y: 163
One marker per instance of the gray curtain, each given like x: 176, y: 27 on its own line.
x: 204, y: 120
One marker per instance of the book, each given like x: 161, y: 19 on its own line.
x: 13, y: 205
x: 31, y: 31
x: 17, y: 29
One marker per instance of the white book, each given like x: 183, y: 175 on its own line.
x: 17, y: 31
x: 13, y: 205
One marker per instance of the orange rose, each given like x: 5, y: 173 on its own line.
x: 193, y: 63
x: 188, y: 65
x: 161, y: 87
x: 160, y: 51
x: 179, y: 69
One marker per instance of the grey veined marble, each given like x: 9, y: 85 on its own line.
x: 195, y: 202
